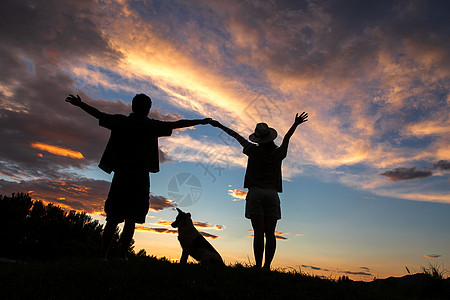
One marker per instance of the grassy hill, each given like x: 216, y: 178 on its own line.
x: 147, y: 277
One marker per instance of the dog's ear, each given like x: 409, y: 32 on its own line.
x: 179, y: 210
x: 189, y: 215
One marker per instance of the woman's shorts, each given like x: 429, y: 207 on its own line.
x: 128, y: 197
x: 263, y: 202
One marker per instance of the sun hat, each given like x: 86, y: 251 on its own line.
x: 263, y: 134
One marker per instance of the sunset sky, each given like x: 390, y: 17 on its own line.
x: 366, y: 181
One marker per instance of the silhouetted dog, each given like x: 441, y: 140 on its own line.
x: 193, y: 243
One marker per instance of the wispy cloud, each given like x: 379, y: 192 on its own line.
x: 173, y: 231
x: 164, y: 223
x: 360, y: 273
x: 209, y: 152
x: 432, y: 255
x: 405, y: 193
x: 207, y: 225
x: 157, y: 230
x: 278, y: 235
x: 365, y: 270
x: 314, y: 268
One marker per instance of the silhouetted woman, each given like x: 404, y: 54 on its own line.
x: 263, y: 180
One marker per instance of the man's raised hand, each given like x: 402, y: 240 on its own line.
x: 74, y: 100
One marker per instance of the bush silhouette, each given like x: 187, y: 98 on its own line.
x: 30, y: 230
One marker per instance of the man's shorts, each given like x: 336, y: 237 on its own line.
x: 128, y: 197
x: 263, y: 202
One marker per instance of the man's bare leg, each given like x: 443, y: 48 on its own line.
x: 127, y: 236
x: 108, y: 235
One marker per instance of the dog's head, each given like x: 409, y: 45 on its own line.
x: 181, y: 218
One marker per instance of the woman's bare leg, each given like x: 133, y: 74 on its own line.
x: 270, y: 224
x: 258, y: 239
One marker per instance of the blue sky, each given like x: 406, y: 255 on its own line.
x: 366, y: 182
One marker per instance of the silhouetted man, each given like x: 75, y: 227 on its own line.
x: 131, y: 153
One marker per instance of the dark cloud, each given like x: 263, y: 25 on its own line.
x: 334, y: 39
x: 356, y: 273
x: 366, y: 271
x: 158, y: 203
x: 55, y: 30
x: 58, y: 124
x: 443, y: 165
x: 40, y: 41
x: 406, y: 174
x: 314, y: 268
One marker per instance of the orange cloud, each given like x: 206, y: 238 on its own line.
x: 432, y: 255
x: 157, y: 230
x: 164, y: 223
x: 57, y: 150
x: 237, y: 194
x: 208, y: 226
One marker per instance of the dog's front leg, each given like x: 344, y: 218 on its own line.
x: 184, y: 257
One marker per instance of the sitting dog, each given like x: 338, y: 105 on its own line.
x: 193, y: 243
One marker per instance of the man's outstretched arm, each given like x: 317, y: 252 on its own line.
x: 231, y: 133
x: 298, y: 120
x: 189, y: 123
x: 86, y: 107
